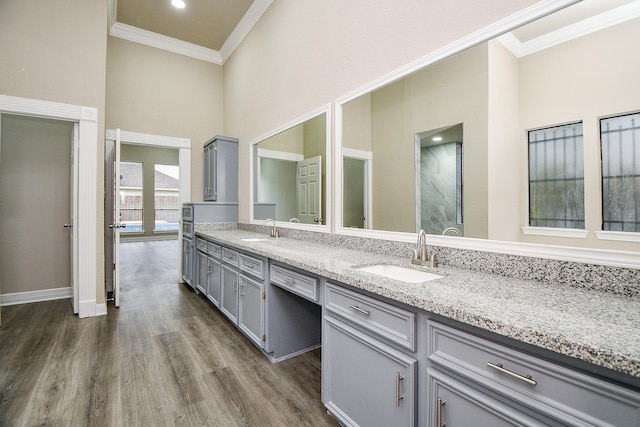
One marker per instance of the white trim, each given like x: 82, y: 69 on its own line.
x: 159, y: 41
x: 619, y: 236
x: 327, y: 226
x: 87, y: 159
x: 555, y: 232
x: 570, y: 32
x: 250, y: 18
x: 352, y: 153
x: 280, y: 155
x: 157, y: 237
x: 149, y: 38
x: 28, y: 297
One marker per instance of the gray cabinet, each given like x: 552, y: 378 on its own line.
x: 221, y: 169
x: 187, y: 260
x: 229, y: 292
x: 208, y: 271
x: 251, y: 297
x: 452, y: 403
x: 215, y: 273
x: 547, y: 392
x: 366, y: 381
x: 202, y: 267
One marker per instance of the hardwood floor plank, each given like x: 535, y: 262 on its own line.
x: 166, y: 357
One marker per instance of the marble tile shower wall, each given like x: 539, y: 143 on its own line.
x: 616, y: 280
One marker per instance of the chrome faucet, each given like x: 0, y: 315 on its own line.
x: 274, y: 231
x: 454, y: 229
x: 420, y: 253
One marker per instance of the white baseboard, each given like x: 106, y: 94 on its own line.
x: 101, y: 309
x: 35, y: 296
x: 168, y: 236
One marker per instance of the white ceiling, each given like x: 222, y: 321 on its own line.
x: 208, y: 30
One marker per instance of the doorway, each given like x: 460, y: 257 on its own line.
x: 114, y: 139
x: 36, y: 189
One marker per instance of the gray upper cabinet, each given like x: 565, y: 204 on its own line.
x: 221, y: 169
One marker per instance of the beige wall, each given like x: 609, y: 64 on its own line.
x: 302, y: 55
x: 35, y: 187
x: 356, y: 124
x: 56, y: 51
x: 287, y: 141
x: 162, y: 93
x: 149, y: 157
x: 504, y: 196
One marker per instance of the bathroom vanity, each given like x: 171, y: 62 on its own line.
x: 467, y: 348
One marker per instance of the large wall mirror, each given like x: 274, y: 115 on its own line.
x: 290, y: 173
x: 445, y: 148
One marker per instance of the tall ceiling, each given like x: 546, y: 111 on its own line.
x: 205, y: 29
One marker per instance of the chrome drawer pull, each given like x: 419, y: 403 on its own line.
x: 249, y: 265
x: 289, y: 281
x: 359, y: 310
x: 440, y: 405
x: 527, y: 379
x: 399, y: 397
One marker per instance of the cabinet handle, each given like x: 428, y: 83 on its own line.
x: 242, y: 289
x: 524, y: 378
x: 359, y: 310
x: 399, y: 397
x: 235, y: 286
x: 440, y: 405
x: 249, y: 265
x: 289, y: 281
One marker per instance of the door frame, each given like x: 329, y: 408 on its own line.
x: 183, y: 145
x: 86, y: 257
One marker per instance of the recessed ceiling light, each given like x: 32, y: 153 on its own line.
x: 436, y: 138
x: 179, y: 4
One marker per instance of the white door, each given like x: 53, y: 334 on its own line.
x: 309, y: 190
x: 73, y: 208
x: 115, y: 223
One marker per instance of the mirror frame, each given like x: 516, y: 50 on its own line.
x: 609, y: 257
x: 328, y: 223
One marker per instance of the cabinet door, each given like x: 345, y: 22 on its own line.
x: 366, y: 382
x: 202, y: 272
x: 209, y: 172
x: 229, y: 293
x: 251, y: 310
x: 187, y: 261
x: 453, y: 403
x: 213, y: 290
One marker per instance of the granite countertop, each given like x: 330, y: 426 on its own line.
x: 592, y: 326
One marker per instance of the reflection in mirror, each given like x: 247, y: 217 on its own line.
x: 290, y: 174
x: 439, y: 180
x: 576, y: 65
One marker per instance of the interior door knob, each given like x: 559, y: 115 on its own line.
x: 68, y: 225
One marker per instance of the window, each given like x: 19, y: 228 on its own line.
x: 166, y: 198
x: 556, y: 177
x: 131, y: 196
x: 620, y: 144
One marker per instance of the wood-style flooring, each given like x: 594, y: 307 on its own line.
x: 165, y: 357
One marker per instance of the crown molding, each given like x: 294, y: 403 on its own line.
x: 570, y: 32
x: 149, y: 38
x: 250, y: 18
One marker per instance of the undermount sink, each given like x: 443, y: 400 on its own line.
x: 254, y: 239
x: 402, y: 274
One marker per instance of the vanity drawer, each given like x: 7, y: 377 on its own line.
x: 214, y: 250
x: 558, y: 392
x: 300, y: 284
x: 251, y: 265
x: 201, y: 244
x: 230, y: 257
x: 385, y: 320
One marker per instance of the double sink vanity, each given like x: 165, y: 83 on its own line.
x: 406, y: 345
